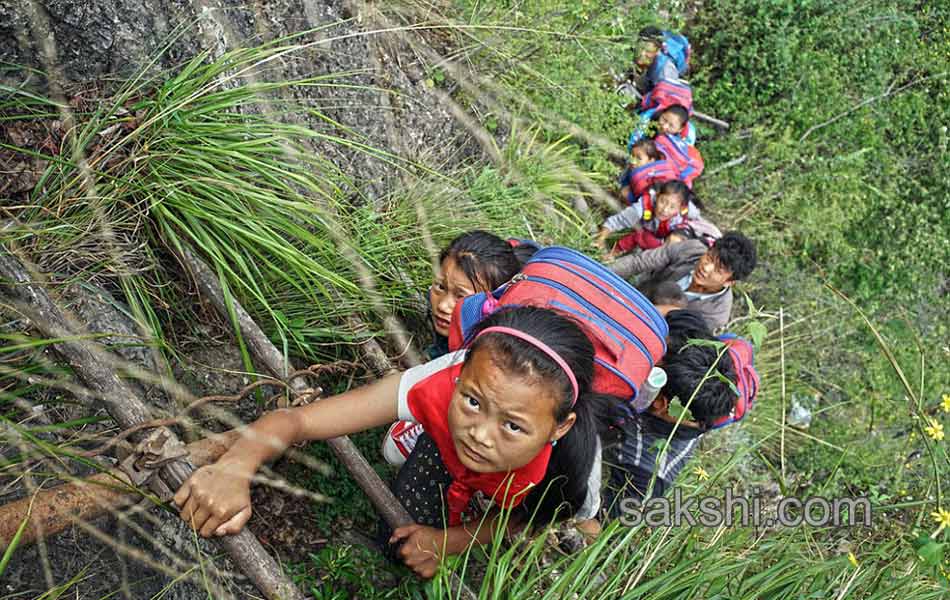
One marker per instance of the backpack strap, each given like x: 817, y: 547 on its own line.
x: 468, y: 312
x: 699, y: 229
x: 646, y: 202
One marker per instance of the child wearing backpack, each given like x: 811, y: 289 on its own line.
x: 609, y: 308
x: 507, y: 419
x: 647, y: 168
x: 476, y: 261
x: 686, y: 158
x: 661, y: 55
x: 672, y: 121
x: 696, y: 376
x: 655, y: 215
x: 643, y: 471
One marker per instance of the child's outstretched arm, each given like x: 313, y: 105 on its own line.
x: 628, y: 218
x: 216, y: 499
x: 649, y: 260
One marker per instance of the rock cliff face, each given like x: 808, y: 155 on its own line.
x: 387, y: 104
x: 97, y: 44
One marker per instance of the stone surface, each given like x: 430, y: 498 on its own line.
x: 385, y: 103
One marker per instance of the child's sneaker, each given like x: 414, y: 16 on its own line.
x: 400, y: 440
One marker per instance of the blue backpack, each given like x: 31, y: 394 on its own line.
x: 628, y: 334
x: 676, y: 48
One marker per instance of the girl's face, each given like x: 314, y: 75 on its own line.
x: 670, y: 124
x: 667, y: 206
x: 639, y: 157
x: 450, y: 286
x: 500, y: 422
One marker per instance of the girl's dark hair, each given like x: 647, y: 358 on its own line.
x: 679, y: 188
x: 649, y: 146
x: 686, y: 365
x: 676, y: 110
x: 486, y: 259
x: 565, y: 483
x: 524, y: 251
x: 667, y: 292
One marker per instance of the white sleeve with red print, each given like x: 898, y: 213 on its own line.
x: 420, y: 373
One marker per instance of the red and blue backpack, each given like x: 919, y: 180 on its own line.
x: 648, y: 176
x: 667, y: 93
x: 628, y: 334
x: 686, y: 158
x: 747, y: 380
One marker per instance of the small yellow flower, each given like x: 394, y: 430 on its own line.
x: 934, y: 429
x: 701, y: 473
x: 852, y: 559
x: 945, y: 403
x: 942, y: 517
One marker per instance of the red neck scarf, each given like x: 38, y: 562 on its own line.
x: 429, y: 403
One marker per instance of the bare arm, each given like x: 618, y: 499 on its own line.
x: 216, y: 498
x: 628, y: 218
x: 353, y: 411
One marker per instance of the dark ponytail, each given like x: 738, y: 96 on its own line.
x: 524, y: 251
x: 564, y: 487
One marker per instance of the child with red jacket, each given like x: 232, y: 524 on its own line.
x: 507, y: 420
x: 653, y: 217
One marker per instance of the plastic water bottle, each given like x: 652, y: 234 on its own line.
x: 650, y: 388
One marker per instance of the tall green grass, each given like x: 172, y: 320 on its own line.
x: 227, y: 166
